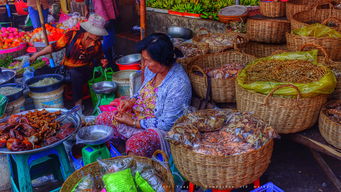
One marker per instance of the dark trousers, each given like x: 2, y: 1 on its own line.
x: 78, y: 77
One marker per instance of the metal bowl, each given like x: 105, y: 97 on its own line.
x: 104, y: 87
x: 14, y: 96
x: 45, y: 88
x: 129, y: 59
x: 94, y: 135
x: 7, y: 76
x: 74, y: 119
x: 180, y: 32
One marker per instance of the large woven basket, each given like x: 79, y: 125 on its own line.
x: 222, y: 90
x: 331, y: 46
x: 329, y: 129
x: 272, y: 8
x: 236, y: 38
x: 262, y: 49
x: 295, y: 6
x: 267, y: 30
x: 94, y: 170
x: 314, y: 15
x: 221, y: 172
x: 285, y: 115
x: 333, y: 65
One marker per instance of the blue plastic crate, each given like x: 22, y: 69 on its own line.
x: 268, y: 187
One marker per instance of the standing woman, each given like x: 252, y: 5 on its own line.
x: 33, y: 12
x: 108, y: 9
x: 83, y: 49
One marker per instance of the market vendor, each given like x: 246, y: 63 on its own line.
x: 165, y: 93
x: 83, y: 49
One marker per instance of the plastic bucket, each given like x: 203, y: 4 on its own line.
x: 133, y: 66
x: 15, y: 106
x: 53, y: 99
x: 121, y: 78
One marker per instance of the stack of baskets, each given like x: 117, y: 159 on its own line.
x: 219, y: 90
x: 267, y: 31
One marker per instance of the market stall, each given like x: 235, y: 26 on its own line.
x: 265, y: 72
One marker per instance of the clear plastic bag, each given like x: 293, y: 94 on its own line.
x: 86, y: 184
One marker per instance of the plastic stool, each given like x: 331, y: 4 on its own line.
x: 21, y: 165
x: 191, y: 187
x: 91, y: 153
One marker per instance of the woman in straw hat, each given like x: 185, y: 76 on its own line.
x: 83, y: 49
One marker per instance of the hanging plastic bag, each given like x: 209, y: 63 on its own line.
x: 324, y: 85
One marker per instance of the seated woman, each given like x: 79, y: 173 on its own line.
x: 166, y: 91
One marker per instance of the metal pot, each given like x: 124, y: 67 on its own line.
x: 180, y: 32
x: 129, y: 59
x: 104, y: 87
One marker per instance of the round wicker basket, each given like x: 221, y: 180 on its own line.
x: 262, y: 49
x: 94, y: 170
x: 295, y: 6
x: 285, y: 115
x: 272, y: 8
x: 267, y: 30
x: 221, y: 172
x: 329, y: 129
x: 222, y: 90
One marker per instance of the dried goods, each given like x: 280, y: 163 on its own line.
x: 190, y: 49
x: 291, y: 71
x: 333, y: 111
x: 32, y: 130
x: 9, y: 90
x: 45, y: 82
x: 221, y: 132
x: 225, y: 72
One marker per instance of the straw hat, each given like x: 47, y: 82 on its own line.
x: 95, y: 25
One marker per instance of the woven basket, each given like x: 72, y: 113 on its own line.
x: 285, y: 115
x: 295, y: 6
x: 267, y: 30
x: 331, y: 46
x: 272, y: 8
x: 334, y: 65
x: 262, y: 49
x: 221, y: 172
x: 17, y: 51
x: 329, y: 129
x: 94, y: 170
x: 314, y: 15
x: 222, y: 90
x: 236, y: 38
x: 184, y: 61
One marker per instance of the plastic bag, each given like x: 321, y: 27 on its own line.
x: 86, y: 184
x: 325, y: 85
x: 142, y: 184
x: 317, y: 30
x: 120, y: 181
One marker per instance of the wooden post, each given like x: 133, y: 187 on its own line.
x: 41, y: 18
x: 142, y: 18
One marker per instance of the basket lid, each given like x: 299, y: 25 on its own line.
x: 234, y: 10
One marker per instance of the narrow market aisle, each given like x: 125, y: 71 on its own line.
x: 294, y: 169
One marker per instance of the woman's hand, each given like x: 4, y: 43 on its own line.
x: 124, y: 118
x: 34, y: 57
x: 126, y: 105
x: 104, y: 63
